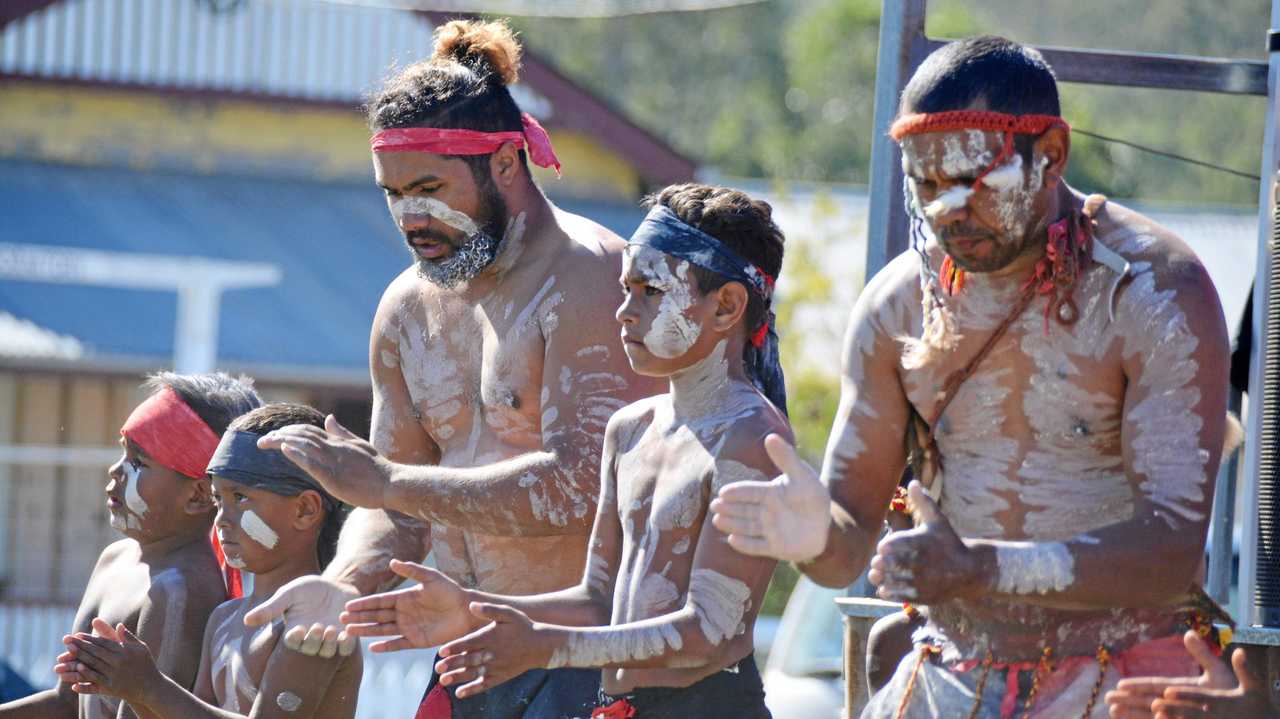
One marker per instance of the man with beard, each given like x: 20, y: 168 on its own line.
x: 495, y: 363
x: 1059, y: 364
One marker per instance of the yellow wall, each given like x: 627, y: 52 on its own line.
x: 146, y: 130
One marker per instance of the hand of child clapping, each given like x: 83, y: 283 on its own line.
x: 509, y: 645
x: 110, y: 661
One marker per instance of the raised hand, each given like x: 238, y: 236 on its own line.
x: 1133, y: 698
x: 786, y: 518
x: 310, y: 607
x: 123, y: 668
x: 1248, y: 700
x: 348, y: 467
x: 509, y: 645
x: 427, y: 615
x: 66, y: 666
x: 929, y: 563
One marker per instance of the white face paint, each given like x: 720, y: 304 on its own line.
x: 258, y: 530
x: 288, y: 701
x: 1034, y: 567
x: 460, y: 221
x: 953, y: 199
x: 235, y: 562
x: 132, y: 498
x: 671, y: 332
x: 1005, y: 177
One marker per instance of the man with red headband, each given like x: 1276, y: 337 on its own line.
x: 495, y: 362
x: 165, y: 578
x: 1057, y: 366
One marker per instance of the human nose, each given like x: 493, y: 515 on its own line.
x: 626, y: 312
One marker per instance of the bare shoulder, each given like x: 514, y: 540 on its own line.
x: 1164, y: 271
x: 405, y: 290
x: 116, y: 551
x: 627, y: 424
x: 743, y: 441
x: 592, y: 257
x: 891, y: 299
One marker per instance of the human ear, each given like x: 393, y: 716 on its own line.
x: 200, y: 498
x: 503, y: 165
x: 731, y: 305
x: 308, y: 510
x: 1054, y: 145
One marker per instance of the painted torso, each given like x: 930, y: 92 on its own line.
x: 667, y: 473
x: 473, y: 366
x: 119, y: 590
x: 238, y: 659
x: 1031, y: 444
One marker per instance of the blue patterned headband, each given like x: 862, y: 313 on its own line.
x: 666, y: 233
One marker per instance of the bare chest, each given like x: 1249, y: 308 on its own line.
x: 475, y: 370
x: 116, y: 593
x: 238, y: 660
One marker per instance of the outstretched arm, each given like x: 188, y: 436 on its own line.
x: 791, y: 517
x: 436, y: 610
x: 548, y: 491
x: 711, y: 627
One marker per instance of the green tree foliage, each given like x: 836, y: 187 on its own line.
x: 784, y: 89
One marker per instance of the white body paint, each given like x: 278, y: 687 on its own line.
x: 460, y: 221
x: 1034, y: 567
x: 601, y: 646
x: 132, y: 498
x: 720, y: 603
x: 672, y: 333
x: 288, y: 701
x: 228, y: 669
x: 953, y: 199
x: 258, y: 530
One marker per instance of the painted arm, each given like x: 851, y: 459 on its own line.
x: 436, y: 610
x: 1175, y: 359
x: 829, y: 526
x: 585, y: 379
x: 724, y: 593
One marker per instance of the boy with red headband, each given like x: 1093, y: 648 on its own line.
x: 1054, y: 368
x: 663, y: 604
x: 164, y: 579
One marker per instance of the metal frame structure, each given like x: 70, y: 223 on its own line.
x: 903, y: 46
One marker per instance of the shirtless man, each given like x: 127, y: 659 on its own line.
x: 1073, y: 469
x: 495, y: 363
x: 278, y: 523
x: 664, y: 604
x: 162, y: 580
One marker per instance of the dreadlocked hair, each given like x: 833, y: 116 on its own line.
x: 463, y: 85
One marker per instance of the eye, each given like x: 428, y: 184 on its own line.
x: 651, y: 291
x: 239, y: 497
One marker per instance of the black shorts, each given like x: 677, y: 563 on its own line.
x: 733, y: 693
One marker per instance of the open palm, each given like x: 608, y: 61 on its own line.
x: 426, y: 615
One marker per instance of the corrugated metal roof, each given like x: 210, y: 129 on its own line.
x: 286, y: 48
x: 336, y: 245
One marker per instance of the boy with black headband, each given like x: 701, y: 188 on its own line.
x: 275, y: 521
x: 664, y: 604
x: 163, y: 579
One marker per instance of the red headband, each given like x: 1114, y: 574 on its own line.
x: 171, y: 433
x: 447, y: 141
x: 954, y: 120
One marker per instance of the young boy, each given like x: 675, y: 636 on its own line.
x: 163, y: 580
x: 665, y: 606
x: 275, y: 521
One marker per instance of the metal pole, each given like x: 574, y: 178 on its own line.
x: 902, y: 47
x: 1218, y: 583
x: 1254, y: 544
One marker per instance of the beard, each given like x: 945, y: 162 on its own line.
x: 473, y: 253
x: 1004, y: 248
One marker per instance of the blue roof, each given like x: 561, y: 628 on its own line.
x: 335, y: 244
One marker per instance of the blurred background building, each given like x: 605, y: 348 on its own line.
x: 186, y: 184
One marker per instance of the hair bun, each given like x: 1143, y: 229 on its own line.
x: 488, y: 47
